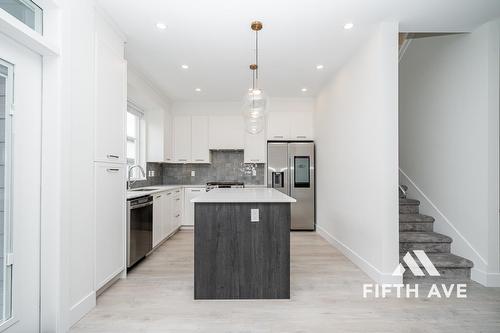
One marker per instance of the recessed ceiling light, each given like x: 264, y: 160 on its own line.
x: 303, y: 89
x: 185, y: 66
x: 348, y: 26
x: 197, y: 90
x: 161, y: 25
x: 319, y: 67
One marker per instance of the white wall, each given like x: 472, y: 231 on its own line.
x: 449, y: 149
x: 156, y: 109
x: 357, y: 156
x: 235, y: 108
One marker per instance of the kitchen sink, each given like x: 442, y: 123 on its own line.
x: 144, y: 189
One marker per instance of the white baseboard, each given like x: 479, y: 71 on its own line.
x: 486, y: 279
x: 81, y: 308
x: 493, y: 280
x: 374, y: 273
x: 479, y: 276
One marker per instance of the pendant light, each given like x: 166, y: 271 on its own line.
x: 255, y: 103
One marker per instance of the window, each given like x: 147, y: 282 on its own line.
x: 25, y: 11
x: 135, y: 120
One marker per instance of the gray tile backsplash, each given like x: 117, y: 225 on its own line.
x: 227, y: 165
x: 151, y: 181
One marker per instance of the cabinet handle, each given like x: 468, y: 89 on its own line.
x: 158, y: 197
x: 301, y: 136
x: 177, y: 215
x: 177, y: 199
x: 278, y: 136
x: 177, y: 191
x: 112, y: 156
x: 256, y: 160
x: 169, y: 193
x: 195, y: 190
x: 182, y: 160
x: 112, y: 170
x: 199, y: 160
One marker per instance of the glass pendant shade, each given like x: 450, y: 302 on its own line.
x: 254, y: 125
x: 255, y: 105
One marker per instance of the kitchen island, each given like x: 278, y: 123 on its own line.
x: 242, y: 244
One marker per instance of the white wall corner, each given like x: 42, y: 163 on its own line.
x: 373, y: 272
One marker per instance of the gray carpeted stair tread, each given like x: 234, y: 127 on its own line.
x: 423, y: 237
x: 409, y: 202
x: 415, y: 218
x: 443, y: 260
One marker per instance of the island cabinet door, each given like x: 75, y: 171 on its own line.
x: 237, y: 257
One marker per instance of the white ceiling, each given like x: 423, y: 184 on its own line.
x: 213, y: 37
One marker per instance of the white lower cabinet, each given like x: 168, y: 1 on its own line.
x: 158, y: 218
x: 190, y: 193
x: 110, y: 230
x: 166, y: 226
x: 177, y: 204
x: 167, y: 214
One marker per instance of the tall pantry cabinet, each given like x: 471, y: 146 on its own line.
x: 110, y: 163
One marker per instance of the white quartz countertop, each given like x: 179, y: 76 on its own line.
x: 131, y: 194
x: 243, y: 195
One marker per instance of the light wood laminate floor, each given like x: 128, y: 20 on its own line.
x: 326, y: 292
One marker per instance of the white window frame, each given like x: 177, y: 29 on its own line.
x: 8, y: 315
x: 38, y: 12
x: 139, y: 140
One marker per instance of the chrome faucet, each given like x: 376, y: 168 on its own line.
x: 130, y: 182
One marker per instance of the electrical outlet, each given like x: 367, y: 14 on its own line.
x: 193, y: 173
x: 254, y: 215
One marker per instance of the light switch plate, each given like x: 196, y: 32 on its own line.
x: 254, y: 215
x: 193, y: 173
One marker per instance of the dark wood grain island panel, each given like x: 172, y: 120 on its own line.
x: 239, y: 259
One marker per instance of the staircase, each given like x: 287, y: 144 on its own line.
x: 416, y: 233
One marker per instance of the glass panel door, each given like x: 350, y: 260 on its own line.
x: 5, y: 230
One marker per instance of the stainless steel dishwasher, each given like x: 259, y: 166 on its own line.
x: 139, y: 228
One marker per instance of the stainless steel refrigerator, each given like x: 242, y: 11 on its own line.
x: 290, y: 169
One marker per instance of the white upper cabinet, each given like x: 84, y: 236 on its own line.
x: 296, y: 125
x: 301, y: 126
x: 255, y: 148
x: 278, y: 126
x: 159, y: 136
x: 199, y: 140
x: 226, y: 132
x: 182, y: 139
x: 110, y: 103
x: 168, y: 137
